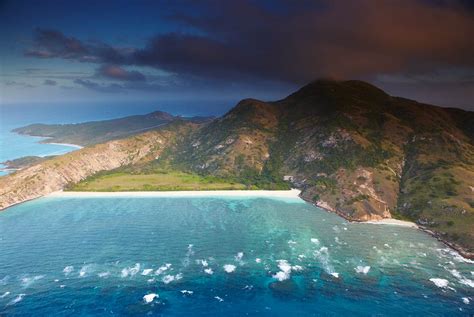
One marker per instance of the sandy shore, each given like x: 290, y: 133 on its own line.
x: 293, y: 193
x: 66, y: 144
x: 393, y: 222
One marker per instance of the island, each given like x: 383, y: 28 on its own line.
x: 350, y: 148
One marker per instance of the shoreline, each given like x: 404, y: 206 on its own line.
x: 391, y: 221
x: 282, y: 194
x: 65, y: 144
x: 292, y: 193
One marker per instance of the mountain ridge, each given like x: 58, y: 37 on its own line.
x: 350, y: 147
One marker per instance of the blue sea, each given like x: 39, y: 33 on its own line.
x: 218, y: 256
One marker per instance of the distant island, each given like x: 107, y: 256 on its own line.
x: 347, y: 145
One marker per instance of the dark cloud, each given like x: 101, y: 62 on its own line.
x: 292, y: 41
x: 119, y: 73
x: 54, y: 44
x: 49, y: 82
x: 325, y: 38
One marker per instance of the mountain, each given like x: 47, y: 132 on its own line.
x: 349, y: 146
x: 94, y: 132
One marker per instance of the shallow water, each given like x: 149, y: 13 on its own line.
x: 219, y: 256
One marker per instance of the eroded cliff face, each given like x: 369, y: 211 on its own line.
x: 55, y: 174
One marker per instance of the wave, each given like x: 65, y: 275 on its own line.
x: 229, y: 268
x: 148, y: 298
x: 17, y: 299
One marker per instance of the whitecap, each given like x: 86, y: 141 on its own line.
x: 5, y: 294
x: 218, y: 298
x: 170, y: 278
x: 291, y: 242
x: 239, y: 257
x: 314, y: 240
x: 462, y: 279
x: 17, y: 299
x: 285, y: 270
x: 62, y: 286
x: 281, y: 276
x: 130, y: 271
x: 386, y: 245
x: 297, y: 268
x: 103, y: 274
x: 162, y: 268
x: 84, y: 270
x: 186, y: 292
x: 336, y: 275
x: 440, y: 282
x: 147, y: 272
x: 27, y: 281
x: 258, y: 260
x: 204, y: 263
x: 466, y: 300
x: 229, y: 268
x: 362, y: 269
x: 148, y: 298
x: 68, y: 270
x: 208, y: 271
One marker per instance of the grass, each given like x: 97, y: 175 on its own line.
x: 164, y: 181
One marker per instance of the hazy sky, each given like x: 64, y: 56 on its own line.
x: 69, y: 51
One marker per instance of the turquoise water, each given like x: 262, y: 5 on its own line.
x: 13, y: 145
x: 219, y: 256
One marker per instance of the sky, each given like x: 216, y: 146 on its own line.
x: 223, y: 51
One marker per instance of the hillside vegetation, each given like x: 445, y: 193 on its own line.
x: 349, y: 146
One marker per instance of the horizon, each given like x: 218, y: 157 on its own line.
x: 227, y: 51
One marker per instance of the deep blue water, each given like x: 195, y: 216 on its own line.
x: 101, y: 256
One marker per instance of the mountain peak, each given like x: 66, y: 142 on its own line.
x: 331, y: 87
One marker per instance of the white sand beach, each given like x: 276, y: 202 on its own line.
x: 394, y: 222
x: 293, y: 193
x: 67, y: 144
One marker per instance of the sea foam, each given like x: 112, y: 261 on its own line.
x: 229, y: 268
x: 362, y: 269
x: 440, y: 282
x: 148, y: 298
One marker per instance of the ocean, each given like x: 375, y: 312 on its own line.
x: 219, y: 256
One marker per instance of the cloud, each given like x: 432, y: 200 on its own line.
x: 49, y: 82
x: 52, y: 43
x: 289, y: 41
x: 49, y: 43
x: 118, y: 73
x: 92, y: 85
x: 305, y: 40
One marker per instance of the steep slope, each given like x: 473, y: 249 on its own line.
x: 354, y: 150
x: 56, y: 173
x: 95, y: 132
